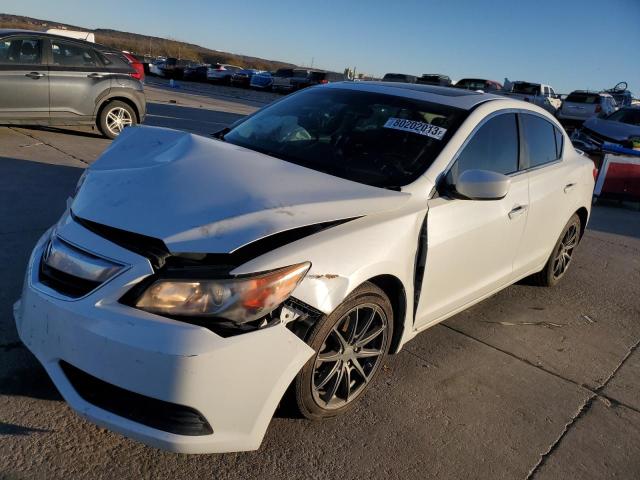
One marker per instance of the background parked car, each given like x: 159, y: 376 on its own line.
x: 221, y: 73
x: 479, y: 84
x: 280, y: 81
x: 434, y: 79
x: 261, y: 81
x: 581, y: 105
x: 619, y: 128
x: 539, y: 94
x: 317, y: 78
x: 196, y: 73
x: 306, y: 78
x: 399, y: 77
x: 155, y: 67
x: 52, y: 80
x: 242, y: 78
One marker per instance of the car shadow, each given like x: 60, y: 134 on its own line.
x: 32, y: 198
x: 12, y: 429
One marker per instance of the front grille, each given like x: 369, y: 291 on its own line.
x: 154, y: 413
x: 68, y: 285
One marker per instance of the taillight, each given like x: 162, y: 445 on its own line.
x: 136, y: 65
x: 324, y: 81
x: 595, y: 173
x: 598, y: 108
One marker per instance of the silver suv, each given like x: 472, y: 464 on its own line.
x: 52, y: 80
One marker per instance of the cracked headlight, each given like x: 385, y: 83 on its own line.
x: 239, y: 299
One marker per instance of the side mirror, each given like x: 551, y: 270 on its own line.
x: 482, y: 185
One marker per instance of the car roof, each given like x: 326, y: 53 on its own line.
x: 15, y: 31
x: 450, y: 96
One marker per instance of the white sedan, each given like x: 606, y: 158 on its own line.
x: 192, y: 281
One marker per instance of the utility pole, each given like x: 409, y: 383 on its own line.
x: 311, y: 62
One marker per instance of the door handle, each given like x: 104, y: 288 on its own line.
x: 34, y: 75
x: 517, y: 211
x: 95, y: 75
x: 568, y: 187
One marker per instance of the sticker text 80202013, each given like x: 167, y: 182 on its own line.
x: 421, y: 128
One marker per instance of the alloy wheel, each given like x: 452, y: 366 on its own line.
x: 565, y: 251
x: 117, y: 119
x: 349, y: 357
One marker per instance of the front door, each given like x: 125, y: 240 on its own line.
x: 471, y: 244
x: 24, y: 81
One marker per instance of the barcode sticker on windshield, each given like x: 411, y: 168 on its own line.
x: 421, y: 128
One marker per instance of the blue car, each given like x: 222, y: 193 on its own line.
x: 261, y: 81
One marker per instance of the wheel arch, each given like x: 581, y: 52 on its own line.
x: 120, y: 98
x: 583, y: 214
x: 394, y: 289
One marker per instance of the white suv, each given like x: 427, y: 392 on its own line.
x: 581, y: 105
x: 192, y: 281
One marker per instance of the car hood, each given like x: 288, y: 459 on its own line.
x: 614, y: 130
x: 205, y: 196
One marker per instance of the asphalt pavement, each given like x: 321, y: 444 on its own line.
x: 531, y: 383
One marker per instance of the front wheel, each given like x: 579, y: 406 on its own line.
x: 561, y: 256
x: 351, y: 344
x: 115, y: 117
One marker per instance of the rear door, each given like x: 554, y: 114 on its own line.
x: 551, y: 184
x: 77, y: 79
x: 472, y: 243
x: 24, y: 80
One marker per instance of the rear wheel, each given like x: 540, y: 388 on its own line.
x: 351, y: 345
x: 115, y: 117
x: 561, y: 256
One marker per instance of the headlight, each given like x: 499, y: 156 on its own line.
x: 239, y: 299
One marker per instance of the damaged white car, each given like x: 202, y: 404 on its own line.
x: 192, y: 282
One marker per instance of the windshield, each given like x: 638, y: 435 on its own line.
x: 526, y: 88
x: 630, y: 116
x: 371, y: 138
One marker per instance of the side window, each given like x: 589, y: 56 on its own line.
x: 72, y: 55
x: 20, y: 51
x: 540, y: 140
x: 493, y: 147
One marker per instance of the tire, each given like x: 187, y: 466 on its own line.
x: 124, y: 117
x: 360, y: 326
x: 554, y: 270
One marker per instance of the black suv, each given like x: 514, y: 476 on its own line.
x: 53, y: 80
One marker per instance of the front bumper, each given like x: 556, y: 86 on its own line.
x: 235, y: 383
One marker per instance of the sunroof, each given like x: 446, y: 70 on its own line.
x: 446, y: 91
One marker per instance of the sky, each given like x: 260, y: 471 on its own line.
x: 568, y: 44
